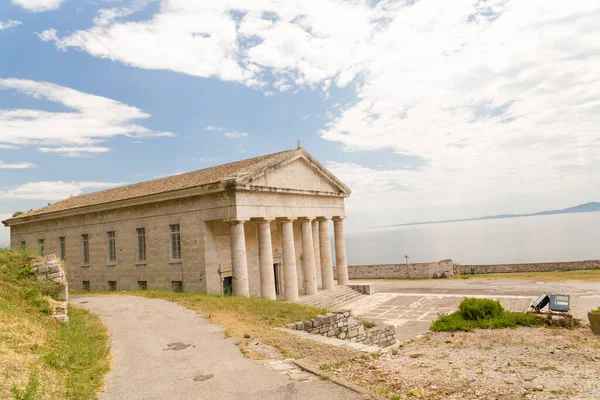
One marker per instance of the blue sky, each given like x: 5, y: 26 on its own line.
x: 426, y: 110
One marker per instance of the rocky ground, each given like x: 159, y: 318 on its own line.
x: 529, y: 363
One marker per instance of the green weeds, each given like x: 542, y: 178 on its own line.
x: 484, y: 314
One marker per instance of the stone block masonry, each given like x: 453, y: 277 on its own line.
x: 528, y: 267
x: 402, y: 271
x: 49, y: 268
x: 341, y: 325
x: 447, y: 268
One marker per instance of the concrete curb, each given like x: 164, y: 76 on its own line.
x: 338, y: 381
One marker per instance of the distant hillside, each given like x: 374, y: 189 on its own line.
x: 587, y: 207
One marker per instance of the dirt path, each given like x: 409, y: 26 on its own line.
x: 164, y: 351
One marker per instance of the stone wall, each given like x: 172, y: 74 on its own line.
x: 341, y: 325
x: 406, y: 271
x: 447, y: 268
x: 529, y: 267
x: 49, y: 268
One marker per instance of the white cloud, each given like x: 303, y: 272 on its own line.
x: 8, y: 147
x: 9, y: 24
x: 503, y: 110
x: 237, y: 40
x: 38, y: 5
x: 213, y: 128
x: 21, y: 165
x: 94, y: 119
x: 235, y: 134
x: 57, y: 190
x: 500, y: 98
x: 74, y: 151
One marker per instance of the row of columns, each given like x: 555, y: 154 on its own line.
x: 316, y: 263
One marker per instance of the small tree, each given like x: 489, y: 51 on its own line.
x: 17, y: 213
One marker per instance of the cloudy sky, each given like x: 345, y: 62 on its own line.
x: 427, y: 109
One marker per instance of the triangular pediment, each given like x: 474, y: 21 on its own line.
x: 302, y: 173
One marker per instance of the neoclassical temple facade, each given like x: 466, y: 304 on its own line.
x: 257, y: 227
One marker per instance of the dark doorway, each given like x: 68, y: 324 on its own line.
x: 276, y: 273
x: 177, y: 286
x: 228, y: 286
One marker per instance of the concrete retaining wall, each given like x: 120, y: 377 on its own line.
x: 341, y: 325
x: 530, y: 267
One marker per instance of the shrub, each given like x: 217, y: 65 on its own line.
x: 476, y: 309
x: 484, y: 314
x: 596, y: 311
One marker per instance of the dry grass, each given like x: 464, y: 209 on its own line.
x: 532, y: 363
x: 39, y: 357
x: 555, y: 276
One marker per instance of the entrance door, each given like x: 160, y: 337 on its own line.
x: 277, y: 279
x: 228, y: 286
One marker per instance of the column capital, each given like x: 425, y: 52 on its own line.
x: 233, y: 221
x: 320, y: 219
x: 305, y: 219
x: 261, y: 220
x: 285, y: 219
x: 338, y: 218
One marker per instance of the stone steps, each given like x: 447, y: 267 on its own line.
x: 333, y: 299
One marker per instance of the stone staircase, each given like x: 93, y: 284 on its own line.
x: 334, y: 299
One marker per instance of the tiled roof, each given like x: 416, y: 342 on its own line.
x: 207, y: 176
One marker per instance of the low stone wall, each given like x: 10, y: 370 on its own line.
x: 439, y: 269
x: 529, y: 267
x: 341, y: 325
x: 49, y: 268
x: 447, y: 268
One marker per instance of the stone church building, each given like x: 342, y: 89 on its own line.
x: 257, y: 227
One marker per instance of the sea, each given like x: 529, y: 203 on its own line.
x: 546, y: 238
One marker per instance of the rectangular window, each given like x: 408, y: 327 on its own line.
x: 61, y: 247
x: 86, y: 285
x: 23, y: 245
x: 177, y: 286
x: 112, y: 248
x: 175, y: 242
x: 85, y: 249
x: 41, y: 246
x: 143, y: 285
x: 141, y: 244
x: 112, y: 286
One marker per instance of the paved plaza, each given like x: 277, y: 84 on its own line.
x: 412, y: 305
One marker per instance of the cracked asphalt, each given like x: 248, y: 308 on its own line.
x: 164, y: 351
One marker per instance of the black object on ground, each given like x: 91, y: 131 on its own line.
x: 540, y: 302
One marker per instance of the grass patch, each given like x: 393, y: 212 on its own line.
x: 39, y: 357
x: 484, y: 314
x: 596, y: 311
x: 554, y: 276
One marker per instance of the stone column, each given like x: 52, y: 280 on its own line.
x: 308, y: 259
x: 340, y: 251
x: 265, y: 255
x: 290, y: 277
x: 317, y: 251
x: 326, y: 263
x: 239, y: 262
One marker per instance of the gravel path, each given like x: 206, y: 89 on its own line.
x: 163, y: 351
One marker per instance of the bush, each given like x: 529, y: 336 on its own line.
x: 483, y: 314
x: 596, y: 311
x: 476, y: 309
